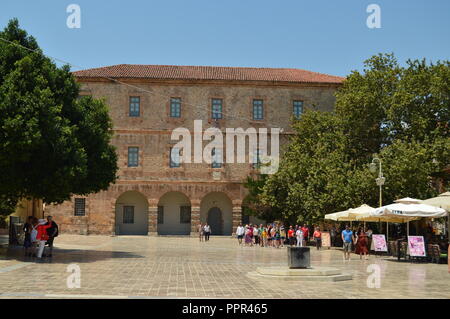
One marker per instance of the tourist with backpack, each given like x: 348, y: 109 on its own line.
x: 42, y: 236
x: 52, y: 232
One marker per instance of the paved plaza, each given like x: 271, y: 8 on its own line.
x: 182, y: 267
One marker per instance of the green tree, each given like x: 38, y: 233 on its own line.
x: 400, y: 114
x: 252, y: 204
x: 53, y: 144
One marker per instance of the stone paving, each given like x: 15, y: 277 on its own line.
x: 183, y: 267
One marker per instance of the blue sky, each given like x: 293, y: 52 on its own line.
x: 328, y: 36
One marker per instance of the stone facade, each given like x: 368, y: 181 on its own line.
x: 206, y: 189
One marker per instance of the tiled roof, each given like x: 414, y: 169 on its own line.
x: 173, y: 72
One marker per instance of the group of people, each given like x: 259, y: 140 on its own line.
x: 275, y: 235
x: 38, y: 233
x: 204, y: 231
x: 360, y: 239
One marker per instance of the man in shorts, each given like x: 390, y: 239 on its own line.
x: 240, y: 232
x: 347, y: 238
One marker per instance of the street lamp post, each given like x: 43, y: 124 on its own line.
x: 380, y: 182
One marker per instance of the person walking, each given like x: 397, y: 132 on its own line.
x: 240, y: 232
x: 282, y: 234
x: 52, y: 232
x: 200, y: 231
x: 256, y: 234
x: 299, y: 235
x: 361, y: 246
x: 42, y: 236
x: 333, y: 236
x: 27, y: 228
x: 260, y: 231
x: 305, y: 231
x: 264, y: 236
x: 347, y: 238
x: 248, y: 235
x: 318, y: 238
x: 291, y: 235
x: 277, y: 237
x: 207, y: 230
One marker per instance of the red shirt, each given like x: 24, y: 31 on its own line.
x: 290, y: 233
x: 317, y: 234
x: 42, y: 232
x: 305, y: 231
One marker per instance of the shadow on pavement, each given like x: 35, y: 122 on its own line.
x: 64, y: 256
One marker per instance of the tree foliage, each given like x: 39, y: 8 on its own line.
x: 399, y: 114
x: 53, y: 144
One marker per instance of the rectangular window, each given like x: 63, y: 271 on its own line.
x: 160, y: 214
x: 258, y: 110
x: 216, y: 111
x: 133, y: 156
x: 175, y: 107
x: 135, y: 106
x: 216, y: 158
x: 174, y: 157
x: 128, y: 214
x: 256, y: 161
x: 185, y: 214
x: 298, y: 109
x: 80, y: 207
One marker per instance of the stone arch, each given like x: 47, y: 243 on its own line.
x: 131, y: 214
x: 217, y: 208
x: 174, y: 210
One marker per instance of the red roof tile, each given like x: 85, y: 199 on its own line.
x: 173, y: 72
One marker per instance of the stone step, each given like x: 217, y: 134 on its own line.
x: 327, y: 278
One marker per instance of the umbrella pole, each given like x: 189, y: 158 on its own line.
x: 407, y: 228
x: 387, y: 231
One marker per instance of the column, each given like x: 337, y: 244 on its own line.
x: 195, y: 220
x: 237, y: 217
x: 153, y: 221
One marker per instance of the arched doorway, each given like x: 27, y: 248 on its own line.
x: 174, y: 214
x: 215, y: 220
x: 216, y: 209
x: 131, y: 214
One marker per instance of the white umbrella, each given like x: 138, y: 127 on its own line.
x: 339, y: 216
x: 442, y: 201
x: 409, y: 211
x: 408, y: 200
x: 360, y: 211
x: 350, y: 214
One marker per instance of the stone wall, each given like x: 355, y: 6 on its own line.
x: 151, y: 133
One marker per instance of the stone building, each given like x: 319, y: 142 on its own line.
x: 154, y: 193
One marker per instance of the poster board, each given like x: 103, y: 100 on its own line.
x: 326, y: 239
x: 416, y: 246
x: 379, y: 243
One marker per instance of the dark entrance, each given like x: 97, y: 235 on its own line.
x: 215, y: 221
